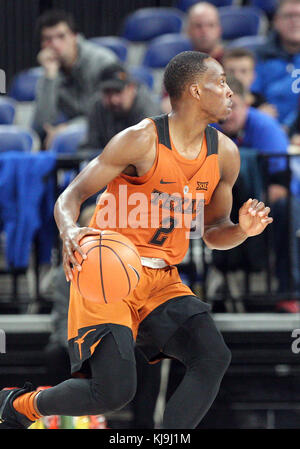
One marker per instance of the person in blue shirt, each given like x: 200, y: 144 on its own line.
x: 250, y: 128
x: 277, y: 70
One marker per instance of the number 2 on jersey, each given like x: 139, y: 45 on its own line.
x: 162, y: 233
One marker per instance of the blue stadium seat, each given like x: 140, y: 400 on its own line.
x: 142, y: 75
x: 24, y: 84
x: 15, y: 138
x: 117, y: 44
x: 7, y: 111
x: 68, y: 140
x: 241, y: 21
x: 147, y: 23
x: 268, y: 6
x: 251, y: 43
x: 164, y: 48
x: 184, y: 5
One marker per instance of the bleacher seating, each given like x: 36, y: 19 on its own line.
x: 241, y: 21
x: 268, y: 6
x: 142, y: 75
x: 15, y: 138
x: 23, y: 86
x: 68, y: 140
x: 184, y: 5
x: 251, y: 43
x: 145, y: 24
x: 7, y: 110
x: 23, y: 90
x: 117, y: 44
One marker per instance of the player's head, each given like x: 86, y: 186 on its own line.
x: 287, y: 21
x: 198, y: 79
x: 237, y: 119
x: 118, y: 89
x: 203, y: 26
x: 56, y: 29
x: 240, y: 63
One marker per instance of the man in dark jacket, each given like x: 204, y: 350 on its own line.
x: 118, y: 104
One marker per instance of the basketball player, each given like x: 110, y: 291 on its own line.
x: 172, y: 153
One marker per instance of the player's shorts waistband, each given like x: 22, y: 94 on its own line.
x: 153, y: 262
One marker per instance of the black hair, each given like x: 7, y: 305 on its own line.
x: 53, y: 17
x: 183, y: 69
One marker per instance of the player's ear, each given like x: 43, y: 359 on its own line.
x: 195, y: 91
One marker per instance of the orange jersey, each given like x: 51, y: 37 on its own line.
x: 156, y: 211
x: 171, y: 185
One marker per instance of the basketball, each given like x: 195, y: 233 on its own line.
x: 111, y: 270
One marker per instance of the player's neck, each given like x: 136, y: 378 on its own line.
x: 186, y: 135
x: 186, y: 129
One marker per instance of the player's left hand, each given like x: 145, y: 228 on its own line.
x: 254, y: 217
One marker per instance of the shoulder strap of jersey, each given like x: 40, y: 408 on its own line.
x: 211, y: 140
x: 162, y: 126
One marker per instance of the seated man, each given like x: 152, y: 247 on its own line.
x: 249, y: 127
x: 71, y: 70
x: 204, y: 29
x: 118, y: 104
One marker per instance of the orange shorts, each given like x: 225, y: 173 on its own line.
x: 88, y: 322
x: 155, y: 287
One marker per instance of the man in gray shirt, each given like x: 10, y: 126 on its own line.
x: 119, y: 103
x: 72, y: 67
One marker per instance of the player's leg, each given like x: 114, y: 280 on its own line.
x: 200, y: 347
x: 111, y: 387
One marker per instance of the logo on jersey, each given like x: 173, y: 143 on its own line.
x: 202, y: 185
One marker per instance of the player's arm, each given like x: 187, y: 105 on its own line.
x: 127, y: 148
x: 219, y: 231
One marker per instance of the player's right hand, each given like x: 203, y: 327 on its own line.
x: 47, y: 58
x: 71, y: 238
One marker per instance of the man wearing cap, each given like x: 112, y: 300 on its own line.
x: 119, y: 103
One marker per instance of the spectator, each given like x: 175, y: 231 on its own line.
x: 277, y: 61
x: 251, y: 128
x: 240, y: 63
x: 204, y: 29
x: 72, y: 66
x: 118, y: 104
